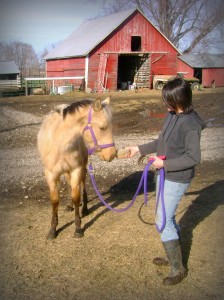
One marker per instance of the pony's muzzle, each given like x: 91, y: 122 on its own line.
x: 108, y: 154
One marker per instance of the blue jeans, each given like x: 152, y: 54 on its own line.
x: 173, y: 192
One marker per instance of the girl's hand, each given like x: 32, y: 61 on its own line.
x: 158, y: 163
x: 131, y: 151
x: 127, y: 152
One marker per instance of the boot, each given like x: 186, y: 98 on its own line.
x: 162, y: 261
x: 178, y: 272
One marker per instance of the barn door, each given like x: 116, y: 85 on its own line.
x: 133, y: 69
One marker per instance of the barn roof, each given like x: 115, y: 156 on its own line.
x: 203, y: 61
x: 8, y: 67
x: 89, y: 34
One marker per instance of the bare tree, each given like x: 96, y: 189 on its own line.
x: 24, y: 56
x: 188, y: 24
x: 42, y: 55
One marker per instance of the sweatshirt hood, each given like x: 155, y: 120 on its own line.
x: 195, y: 116
x: 198, y: 119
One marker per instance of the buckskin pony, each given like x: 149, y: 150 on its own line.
x: 66, y: 137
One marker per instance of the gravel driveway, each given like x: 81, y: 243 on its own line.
x: 113, y: 261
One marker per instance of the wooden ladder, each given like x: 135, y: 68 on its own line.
x: 101, y: 72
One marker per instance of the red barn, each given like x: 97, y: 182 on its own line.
x: 114, y: 52
x: 209, y: 68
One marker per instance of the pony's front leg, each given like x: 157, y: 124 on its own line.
x: 83, y: 195
x: 69, y: 206
x: 75, y: 196
x: 85, y: 210
x: 54, y: 197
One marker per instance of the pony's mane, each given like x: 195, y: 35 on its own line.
x: 73, y: 107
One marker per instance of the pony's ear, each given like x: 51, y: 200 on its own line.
x: 97, y: 106
x: 107, y: 100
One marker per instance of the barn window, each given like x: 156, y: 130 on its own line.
x: 136, y: 43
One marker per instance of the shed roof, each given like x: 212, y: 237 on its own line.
x: 8, y: 67
x: 89, y: 34
x: 203, y: 60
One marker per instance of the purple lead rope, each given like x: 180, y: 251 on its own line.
x: 142, y: 180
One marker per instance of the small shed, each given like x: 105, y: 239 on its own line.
x: 119, y: 51
x: 209, y: 68
x: 9, y: 76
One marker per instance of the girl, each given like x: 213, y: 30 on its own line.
x: 179, y: 142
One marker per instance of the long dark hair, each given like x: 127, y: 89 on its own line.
x: 177, y: 94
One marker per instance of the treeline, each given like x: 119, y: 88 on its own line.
x: 25, y: 57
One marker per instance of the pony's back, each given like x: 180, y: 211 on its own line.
x: 60, y: 144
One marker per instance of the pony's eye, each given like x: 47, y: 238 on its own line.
x: 103, y: 128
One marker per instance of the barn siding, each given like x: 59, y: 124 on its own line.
x: 66, y: 67
x: 213, y: 75
x: 182, y: 67
x: 164, y: 64
x: 93, y: 69
x: 151, y: 39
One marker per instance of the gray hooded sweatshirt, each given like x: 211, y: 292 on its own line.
x: 179, y: 141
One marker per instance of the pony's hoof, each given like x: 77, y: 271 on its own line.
x: 78, y: 234
x: 51, y: 235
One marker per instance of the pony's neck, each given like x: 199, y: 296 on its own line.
x: 77, y: 121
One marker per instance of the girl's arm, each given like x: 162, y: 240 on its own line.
x: 144, y: 149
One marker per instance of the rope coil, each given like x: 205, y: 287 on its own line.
x: 143, y: 181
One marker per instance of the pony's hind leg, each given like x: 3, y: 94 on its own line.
x: 53, y: 184
x: 83, y: 195
x: 76, y: 182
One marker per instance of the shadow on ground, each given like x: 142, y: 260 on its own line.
x: 207, y: 201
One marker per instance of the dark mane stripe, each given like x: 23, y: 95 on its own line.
x: 75, y: 106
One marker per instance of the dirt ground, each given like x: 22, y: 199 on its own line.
x: 114, y: 258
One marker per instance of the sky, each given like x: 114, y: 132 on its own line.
x: 42, y: 23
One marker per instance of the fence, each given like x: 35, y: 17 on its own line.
x: 54, y: 85
x: 10, y: 87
